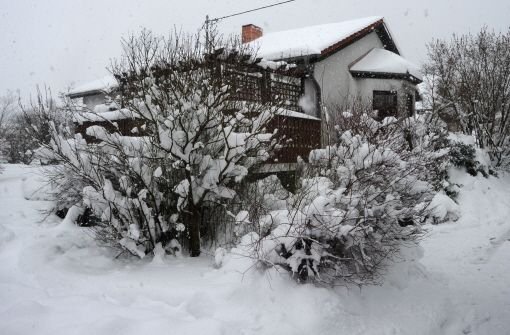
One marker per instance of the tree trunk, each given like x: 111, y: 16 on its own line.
x: 194, y: 219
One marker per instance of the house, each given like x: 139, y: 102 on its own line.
x: 335, y: 63
x: 100, y: 103
x: 94, y: 93
x: 341, y: 61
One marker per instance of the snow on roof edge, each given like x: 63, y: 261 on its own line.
x: 310, y: 40
x: 294, y: 114
x: 380, y: 60
x: 105, y: 84
x: 118, y: 114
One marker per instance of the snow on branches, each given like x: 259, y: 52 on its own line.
x: 197, y: 143
x: 364, y: 197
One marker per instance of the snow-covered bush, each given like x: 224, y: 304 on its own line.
x: 260, y: 198
x: 444, y: 208
x: 364, y: 197
x: 192, y: 146
x: 464, y: 156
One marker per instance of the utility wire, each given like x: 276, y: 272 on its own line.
x: 249, y: 11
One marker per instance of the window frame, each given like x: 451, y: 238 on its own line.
x: 387, y: 108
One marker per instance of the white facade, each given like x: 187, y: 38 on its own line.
x: 93, y: 100
x: 94, y: 93
x: 333, y: 76
x: 349, y: 60
x: 338, y: 86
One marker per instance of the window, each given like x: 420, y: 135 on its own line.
x: 385, y: 103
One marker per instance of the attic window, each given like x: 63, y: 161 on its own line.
x: 385, y: 103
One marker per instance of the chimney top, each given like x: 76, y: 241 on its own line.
x: 250, y: 32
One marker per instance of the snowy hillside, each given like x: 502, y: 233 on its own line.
x: 54, y: 279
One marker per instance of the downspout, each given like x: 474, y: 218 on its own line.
x: 325, y: 140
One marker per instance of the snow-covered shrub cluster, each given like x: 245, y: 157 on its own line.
x: 464, y: 156
x: 263, y: 201
x: 364, y: 197
x: 193, y: 145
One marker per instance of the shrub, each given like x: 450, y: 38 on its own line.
x: 464, y: 156
x: 364, y: 197
x: 197, y: 144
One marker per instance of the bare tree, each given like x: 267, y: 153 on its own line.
x: 8, y: 104
x: 7, y: 109
x: 470, y: 75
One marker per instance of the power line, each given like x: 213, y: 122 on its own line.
x: 209, y: 21
x: 249, y: 11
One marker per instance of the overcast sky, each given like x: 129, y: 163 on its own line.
x: 66, y: 42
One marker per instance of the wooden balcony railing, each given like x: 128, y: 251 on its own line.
x: 299, y: 136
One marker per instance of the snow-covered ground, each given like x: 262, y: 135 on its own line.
x: 473, y: 256
x: 54, y: 279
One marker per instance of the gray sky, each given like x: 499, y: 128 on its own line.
x: 61, y: 42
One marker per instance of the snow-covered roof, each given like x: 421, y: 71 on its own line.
x: 294, y: 114
x: 311, y: 40
x: 384, y: 61
x: 114, y: 115
x: 104, y: 84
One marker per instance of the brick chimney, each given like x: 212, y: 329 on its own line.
x: 250, y: 32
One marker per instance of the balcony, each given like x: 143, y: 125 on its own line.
x: 300, y: 134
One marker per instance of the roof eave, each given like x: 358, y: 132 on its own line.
x: 74, y: 95
x: 386, y: 75
x: 310, y: 58
x: 379, y: 27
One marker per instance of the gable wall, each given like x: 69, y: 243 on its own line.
x: 333, y: 74
x: 337, y: 84
x: 93, y: 100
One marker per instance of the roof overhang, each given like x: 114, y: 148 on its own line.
x: 380, y: 63
x: 386, y: 75
x: 105, y: 85
x: 380, y: 29
x: 85, y: 94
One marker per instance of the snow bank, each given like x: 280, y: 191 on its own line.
x: 6, y: 235
x: 444, y: 208
x: 471, y: 255
x: 38, y: 190
x: 55, y: 279
x: 409, y: 302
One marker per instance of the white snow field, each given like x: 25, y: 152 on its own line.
x: 54, y: 279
